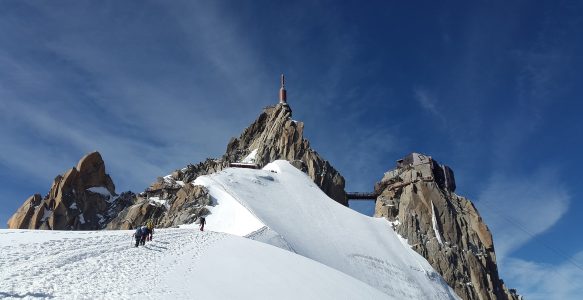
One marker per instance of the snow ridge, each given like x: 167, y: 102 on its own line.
x: 286, y: 201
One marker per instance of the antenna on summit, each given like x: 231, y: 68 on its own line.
x: 282, y: 91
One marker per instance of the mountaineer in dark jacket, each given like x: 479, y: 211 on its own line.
x: 138, y: 235
x: 202, y: 222
x: 141, y: 233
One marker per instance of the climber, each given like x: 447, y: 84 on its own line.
x: 202, y: 222
x: 150, y: 226
x: 139, y: 235
x: 145, y: 233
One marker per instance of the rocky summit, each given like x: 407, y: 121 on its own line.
x: 172, y: 201
x: 274, y: 135
x: 83, y: 198
x: 418, y: 196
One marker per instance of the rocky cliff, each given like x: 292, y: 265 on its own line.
x: 418, y: 196
x: 274, y: 135
x: 172, y: 201
x: 83, y: 198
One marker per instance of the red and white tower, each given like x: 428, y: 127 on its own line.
x: 282, y: 92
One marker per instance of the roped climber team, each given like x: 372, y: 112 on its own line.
x: 144, y: 233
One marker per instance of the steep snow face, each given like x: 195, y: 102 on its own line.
x: 227, y: 215
x: 177, y: 264
x: 311, y: 224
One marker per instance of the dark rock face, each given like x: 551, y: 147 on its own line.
x: 191, y: 172
x: 181, y: 206
x: 136, y: 215
x: 446, y: 229
x: 190, y: 203
x: 171, y: 200
x: 83, y: 198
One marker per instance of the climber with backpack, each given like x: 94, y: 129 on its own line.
x: 145, y: 234
x: 139, y: 235
x: 150, y: 226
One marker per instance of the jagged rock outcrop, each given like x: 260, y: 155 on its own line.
x: 136, y: 215
x: 83, y: 198
x: 171, y: 200
x: 273, y: 135
x: 191, y: 201
x: 419, y: 197
x: 174, y: 206
x: 191, y: 172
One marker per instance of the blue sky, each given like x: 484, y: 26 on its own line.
x: 490, y: 88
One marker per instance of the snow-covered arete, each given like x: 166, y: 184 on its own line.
x: 227, y: 214
x: 286, y: 201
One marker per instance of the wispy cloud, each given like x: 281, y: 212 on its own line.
x: 544, y: 281
x: 74, y: 89
x: 429, y: 103
x: 519, y: 207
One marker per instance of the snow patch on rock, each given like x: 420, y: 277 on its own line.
x: 434, y: 222
x: 250, y: 159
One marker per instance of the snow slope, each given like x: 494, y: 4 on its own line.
x: 309, y: 223
x: 178, y: 264
x: 332, y: 251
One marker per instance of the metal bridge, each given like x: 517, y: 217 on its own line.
x: 361, y: 196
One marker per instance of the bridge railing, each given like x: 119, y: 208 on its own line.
x: 361, y: 196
